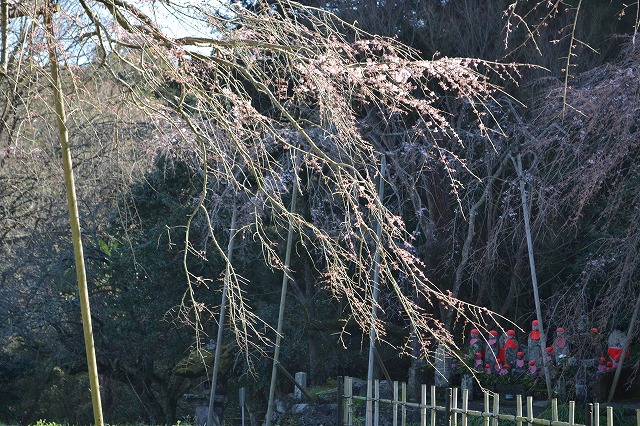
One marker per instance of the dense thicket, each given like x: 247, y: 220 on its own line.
x: 453, y: 205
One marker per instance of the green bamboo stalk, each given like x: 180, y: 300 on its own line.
x: 72, y: 201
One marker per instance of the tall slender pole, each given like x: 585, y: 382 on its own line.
x: 534, y: 277
x: 374, y: 304
x: 4, y: 23
x: 212, y: 420
x: 283, y: 295
x: 74, y: 218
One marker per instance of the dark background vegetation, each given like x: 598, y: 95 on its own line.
x: 582, y: 172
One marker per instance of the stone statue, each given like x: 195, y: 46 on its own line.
x: 492, y: 348
x: 510, y: 348
x: 535, y: 346
x: 560, y: 347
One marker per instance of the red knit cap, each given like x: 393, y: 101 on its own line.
x: 532, y: 362
x: 511, y: 332
x: 493, y: 333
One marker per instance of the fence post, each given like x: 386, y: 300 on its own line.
x: 340, y: 394
x: 404, y: 404
x: 423, y: 406
x: 395, y: 403
x: 496, y: 408
x: 588, y: 415
x: 572, y: 413
x: 638, y: 416
x: 447, y: 409
x: 433, y: 405
x: 348, y: 387
x: 486, y: 413
x: 465, y: 406
x: 454, y: 406
x: 376, y: 403
x: 241, y: 399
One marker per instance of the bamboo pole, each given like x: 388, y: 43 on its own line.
x: 423, y: 405
x: 283, y: 295
x: 376, y: 408
x: 395, y: 403
x: 433, y: 405
x: 404, y: 404
x: 534, y: 277
x: 4, y: 23
x: 486, y: 413
x: 74, y: 217
x: 465, y: 406
x: 211, y: 418
x: 376, y: 290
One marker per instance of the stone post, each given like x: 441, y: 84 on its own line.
x: 301, y: 379
x: 442, y: 363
